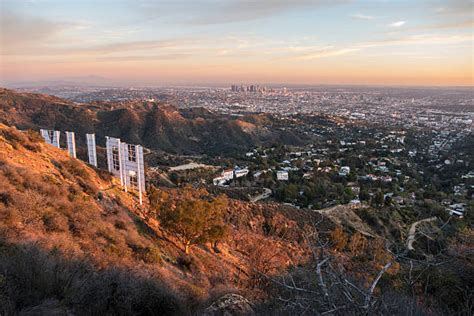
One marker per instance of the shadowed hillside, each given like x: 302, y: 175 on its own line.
x: 154, y: 125
x: 81, y: 234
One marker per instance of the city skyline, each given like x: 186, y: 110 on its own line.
x: 281, y: 42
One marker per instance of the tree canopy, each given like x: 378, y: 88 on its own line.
x: 194, y: 217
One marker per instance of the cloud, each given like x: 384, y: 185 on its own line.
x: 138, y: 46
x: 397, y: 24
x: 359, y: 16
x: 173, y: 56
x: 420, y: 39
x: 21, y: 31
x: 326, y: 52
x: 229, y: 11
x: 455, y: 8
x: 445, y: 25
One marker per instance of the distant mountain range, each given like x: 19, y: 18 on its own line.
x: 155, y: 125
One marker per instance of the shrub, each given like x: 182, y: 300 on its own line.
x: 185, y: 262
x: 54, y: 222
x: 14, y: 136
x: 88, y: 187
x: 75, y: 168
x: 104, y: 174
x: 30, y: 276
x: 34, y: 136
x: 6, y: 198
x: 120, y: 225
x: 146, y: 254
x: 29, y: 139
x: 152, y: 255
x: 34, y: 147
x: 9, y: 216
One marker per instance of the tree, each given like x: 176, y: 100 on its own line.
x: 174, y: 177
x: 215, y: 234
x: 379, y: 198
x: 193, y: 217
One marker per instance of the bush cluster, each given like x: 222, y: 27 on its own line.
x: 35, y: 282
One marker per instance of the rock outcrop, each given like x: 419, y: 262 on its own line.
x: 230, y: 305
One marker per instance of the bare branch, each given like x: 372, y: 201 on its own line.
x: 374, y: 284
x: 321, y: 281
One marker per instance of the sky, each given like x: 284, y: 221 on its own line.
x: 154, y: 42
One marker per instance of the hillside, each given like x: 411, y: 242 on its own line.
x: 71, y: 241
x: 154, y: 125
x: 59, y: 213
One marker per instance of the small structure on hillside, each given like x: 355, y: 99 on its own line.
x: 91, y: 149
x: 344, y: 171
x: 240, y: 172
x: 225, y: 177
x: 228, y: 174
x: 51, y: 137
x: 71, y: 144
x: 282, y: 175
x: 125, y: 161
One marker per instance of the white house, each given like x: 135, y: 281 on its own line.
x: 225, y: 176
x: 282, y: 175
x: 228, y: 174
x: 344, y: 171
x: 241, y: 172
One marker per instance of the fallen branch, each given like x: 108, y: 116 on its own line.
x: 374, y: 284
x: 321, y: 281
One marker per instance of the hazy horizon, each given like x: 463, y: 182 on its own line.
x: 102, y: 82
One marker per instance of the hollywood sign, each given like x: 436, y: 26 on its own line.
x: 125, y: 161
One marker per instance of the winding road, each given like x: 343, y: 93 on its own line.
x: 266, y: 194
x: 412, y: 232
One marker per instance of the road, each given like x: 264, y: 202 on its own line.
x: 192, y: 165
x: 266, y: 194
x: 412, y: 232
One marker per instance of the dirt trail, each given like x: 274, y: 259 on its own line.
x: 412, y: 232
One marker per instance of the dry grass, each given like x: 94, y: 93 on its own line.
x: 30, y: 140
x: 56, y: 203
